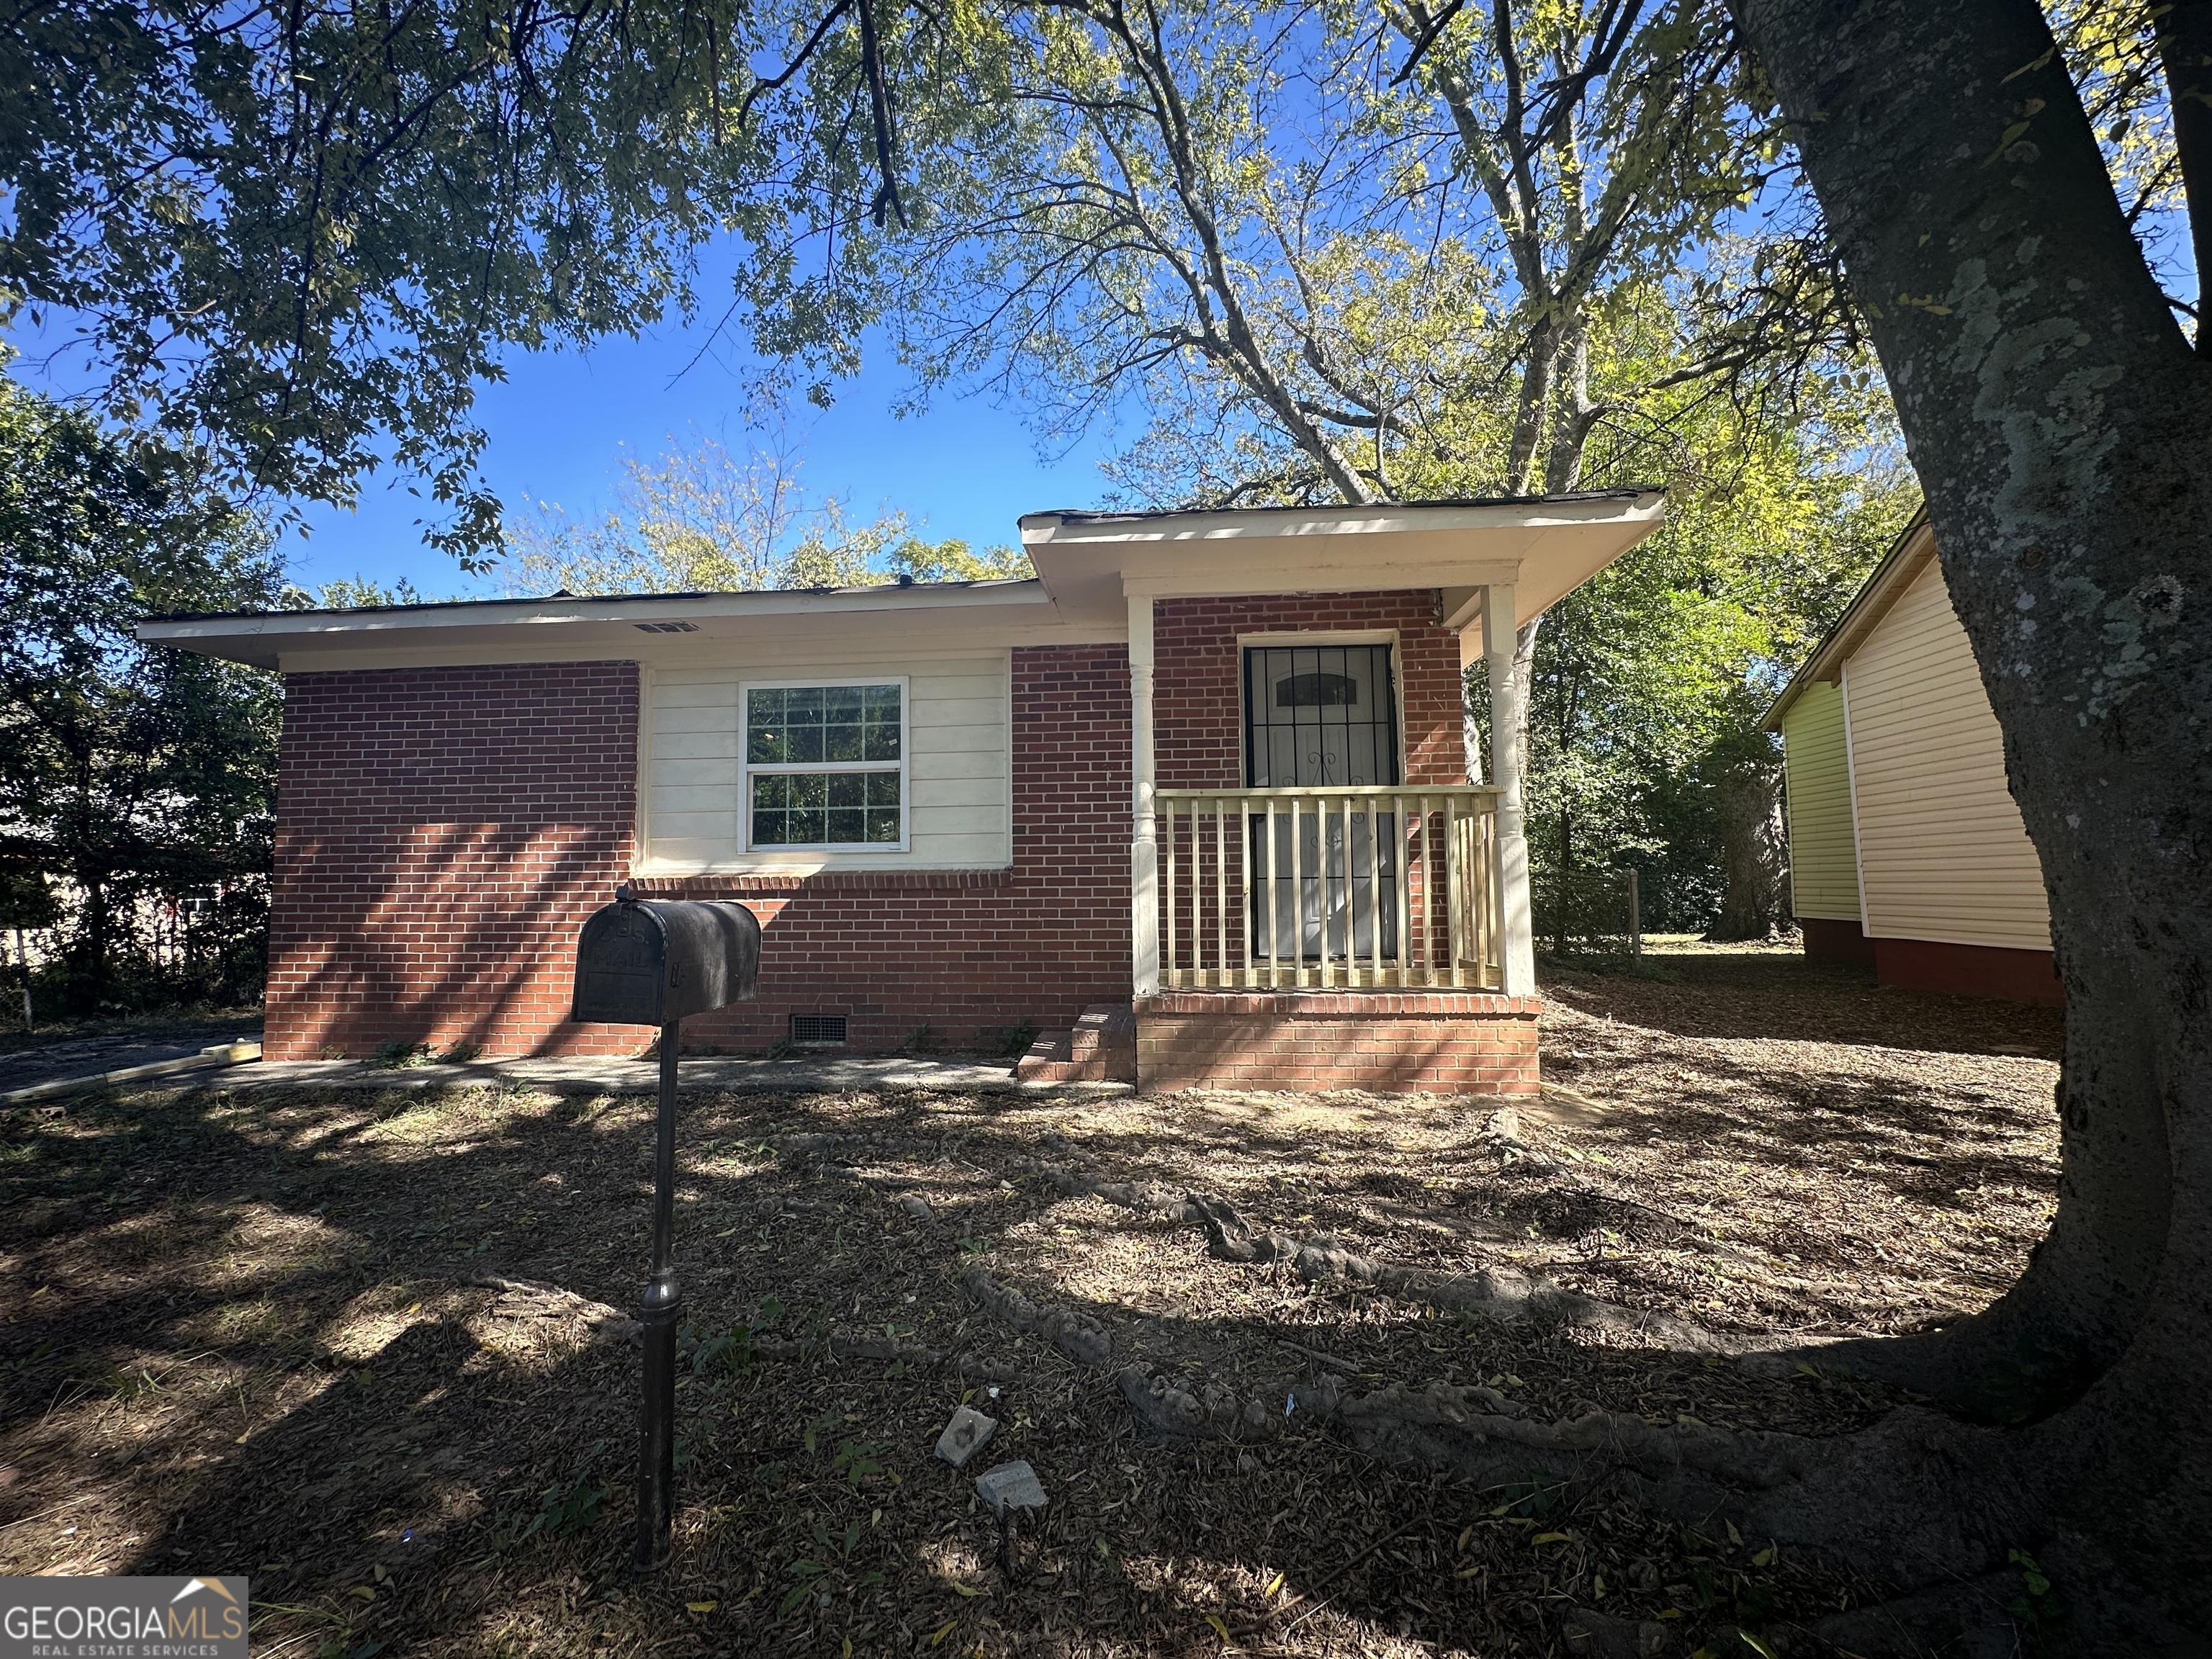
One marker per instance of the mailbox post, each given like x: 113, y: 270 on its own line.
x: 647, y: 963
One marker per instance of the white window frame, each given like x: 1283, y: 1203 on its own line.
x: 746, y: 769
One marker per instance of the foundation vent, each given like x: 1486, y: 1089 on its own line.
x: 823, y: 1030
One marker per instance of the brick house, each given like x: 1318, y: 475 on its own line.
x: 1205, y: 777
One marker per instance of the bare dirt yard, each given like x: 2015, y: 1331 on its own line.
x: 364, y: 1346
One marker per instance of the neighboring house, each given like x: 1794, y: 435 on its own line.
x: 1906, y: 850
x: 1201, y: 785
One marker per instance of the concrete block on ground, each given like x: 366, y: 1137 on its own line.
x: 1011, y: 1486
x: 965, y: 1435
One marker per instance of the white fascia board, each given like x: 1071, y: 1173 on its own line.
x: 1347, y: 576
x: 911, y: 638
x: 576, y: 630
x: 1546, y: 548
x: 1276, y: 524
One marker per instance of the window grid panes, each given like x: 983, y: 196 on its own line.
x: 809, y: 725
x: 815, y: 761
x: 819, y: 809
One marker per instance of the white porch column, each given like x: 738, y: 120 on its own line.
x: 1143, y: 844
x: 1498, y: 623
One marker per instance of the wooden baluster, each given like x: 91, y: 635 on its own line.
x: 1351, y: 938
x: 1454, y: 934
x: 1408, y: 829
x: 1168, y: 958
x: 1428, y: 898
x: 1222, y: 890
x: 1478, y: 890
x: 1375, y: 892
x: 1198, y: 893
x: 1320, y: 891
x: 1402, y: 877
x: 1489, y: 896
x: 1298, y: 896
x: 1274, y: 899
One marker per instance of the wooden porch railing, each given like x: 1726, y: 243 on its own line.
x: 1365, y: 887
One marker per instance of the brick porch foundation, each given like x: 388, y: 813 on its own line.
x: 1393, y: 1043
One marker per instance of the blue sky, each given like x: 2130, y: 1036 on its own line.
x: 559, y: 421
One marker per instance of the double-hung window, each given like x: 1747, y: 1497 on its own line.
x: 825, y: 765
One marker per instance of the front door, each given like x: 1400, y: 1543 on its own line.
x: 1321, y: 715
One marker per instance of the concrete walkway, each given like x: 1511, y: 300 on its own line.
x: 69, y: 1059
x: 214, y: 1055
x: 597, y: 1077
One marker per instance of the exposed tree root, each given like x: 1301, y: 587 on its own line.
x: 1507, y: 1294
x: 1861, y: 1499
x: 1503, y: 1294
x: 1971, y: 1617
x: 1162, y: 1201
x: 1078, y: 1336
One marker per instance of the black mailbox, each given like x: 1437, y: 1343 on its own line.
x: 651, y: 963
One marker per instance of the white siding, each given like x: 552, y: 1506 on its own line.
x: 1942, y: 853
x: 958, y: 766
x: 1824, y: 878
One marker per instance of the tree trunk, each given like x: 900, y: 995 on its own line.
x: 1534, y: 401
x: 1754, y: 857
x: 89, y: 974
x: 1562, y: 904
x: 2063, y: 430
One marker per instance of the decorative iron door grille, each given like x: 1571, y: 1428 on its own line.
x: 1321, y: 716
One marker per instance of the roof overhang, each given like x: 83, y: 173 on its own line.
x: 571, y: 629
x: 1913, y: 551
x: 1088, y: 566
x: 1546, y: 546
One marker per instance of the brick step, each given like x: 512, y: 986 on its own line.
x: 1101, y: 1049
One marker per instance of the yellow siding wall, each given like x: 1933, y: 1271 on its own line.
x: 1942, y: 853
x: 958, y: 766
x: 1823, y: 876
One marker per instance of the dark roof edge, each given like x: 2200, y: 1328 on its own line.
x: 1084, y: 515
x: 590, y: 599
x: 1871, y: 591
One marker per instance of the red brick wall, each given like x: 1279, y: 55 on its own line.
x: 1970, y: 970
x: 441, y: 833
x: 1444, y: 1041
x: 1198, y: 697
x: 1830, y: 940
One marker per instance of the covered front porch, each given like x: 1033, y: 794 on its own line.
x: 1328, y: 877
